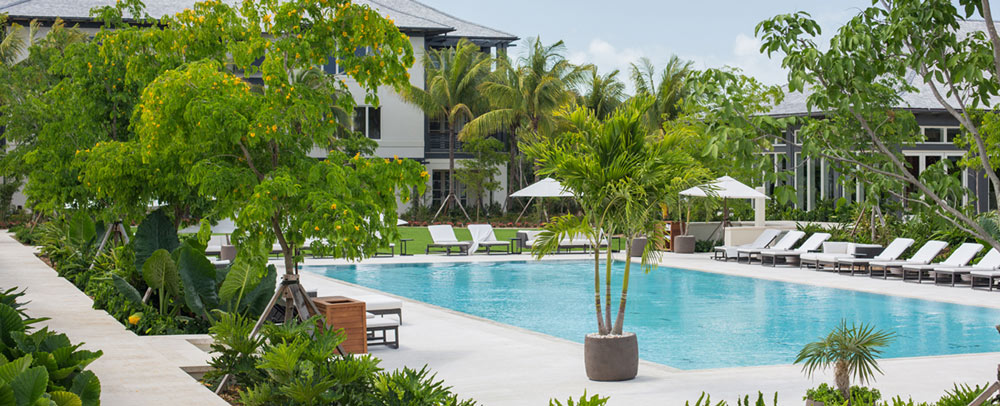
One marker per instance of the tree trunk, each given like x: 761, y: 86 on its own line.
x: 843, y: 380
x: 601, y: 327
x: 511, y: 168
x: 607, y: 288
x: 620, y: 320
x: 451, y: 165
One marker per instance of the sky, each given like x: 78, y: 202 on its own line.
x: 613, y: 34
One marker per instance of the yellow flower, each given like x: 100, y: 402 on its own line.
x: 317, y: 228
x: 423, y: 174
x: 356, y: 228
x: 338, y: 227
x: 134, y: 319
x: 333, y: 206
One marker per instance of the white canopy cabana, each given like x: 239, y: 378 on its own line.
x: 547, y: 187
x: 729, y: 188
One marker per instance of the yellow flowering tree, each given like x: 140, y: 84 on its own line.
x: 252, y: 150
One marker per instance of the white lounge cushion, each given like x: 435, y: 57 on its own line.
x: 379, y: 302
x: 986, y: 274
x: 388, y: 320
x: 825, y: 256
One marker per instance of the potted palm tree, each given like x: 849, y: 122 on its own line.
x: 852, y: 351
x: 619, y: 170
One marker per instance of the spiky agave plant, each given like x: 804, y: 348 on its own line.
x: 852, y: 351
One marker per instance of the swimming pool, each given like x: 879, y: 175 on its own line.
x: 684, y: 319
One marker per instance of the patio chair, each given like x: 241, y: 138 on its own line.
x: 785, y: 243
x: 444, y: 237
x: 960, y: 257
x: 988, y: 263
x: 381, y: 305
x: 811, y: 244
x: 483, y: 236
x: 891, y: 253
x: 725, y: 252
x: 924, y: 255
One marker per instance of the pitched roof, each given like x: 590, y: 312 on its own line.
x: 408, y: 15
x: 794, y: 103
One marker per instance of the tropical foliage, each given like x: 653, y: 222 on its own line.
x: 852, y: 351
x: 40, y: 366
x: 451, y: 94
x: 619, y: 171
x: 284, y: 365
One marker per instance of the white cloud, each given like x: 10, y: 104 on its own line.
x: 607, y: 57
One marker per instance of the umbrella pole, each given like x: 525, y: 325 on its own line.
x: 525, y: 209
x: 725, y: 216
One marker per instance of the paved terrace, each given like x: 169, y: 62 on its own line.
x: 133, y: 370
x: 499, y: 364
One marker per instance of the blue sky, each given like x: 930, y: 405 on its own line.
x: 611, y: 34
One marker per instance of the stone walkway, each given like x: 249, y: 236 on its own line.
x: 498, y: 364
x: 133, y: 370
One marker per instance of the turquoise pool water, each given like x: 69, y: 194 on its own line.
x: 685, y: 319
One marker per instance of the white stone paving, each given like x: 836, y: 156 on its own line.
x: 498, y: 364
x: 133, y: 370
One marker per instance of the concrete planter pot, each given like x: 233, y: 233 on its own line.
x: 227, y: 252
x: 638, y: 246
x: 611, y: 358
x: 810, y: 402
x: 684, y: 244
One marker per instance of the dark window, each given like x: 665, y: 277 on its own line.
x: 375, y: 123
x: 368, y: 121
x: 952, y: 133
x: 331, y: 66
x: 439, y: 187
x: 931, y: 160
x: 934, y: 134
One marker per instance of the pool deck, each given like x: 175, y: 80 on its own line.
x: 498, y: 364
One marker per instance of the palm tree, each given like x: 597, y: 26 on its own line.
x: 852, y: 351
x: 619, y: 175
x: 602, y: 93
x: 523, y: 98
x: 669, y: 87
x: 451, y: 94
x: 12, y: 44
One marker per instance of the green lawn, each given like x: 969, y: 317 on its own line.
x: 421, y: 237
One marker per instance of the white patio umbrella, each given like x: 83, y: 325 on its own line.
x: 725, y: 188
x: 547, y: 187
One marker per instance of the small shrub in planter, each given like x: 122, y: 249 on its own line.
x: 828, y: 395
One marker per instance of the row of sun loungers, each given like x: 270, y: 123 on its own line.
x: 850, y: 258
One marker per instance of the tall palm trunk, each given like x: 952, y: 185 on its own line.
x: 620, y: 320
x: 602, y: 328
x: 843, y: 379
x: 512, y: 168
x: 451, y: 166
x: 607, y: 288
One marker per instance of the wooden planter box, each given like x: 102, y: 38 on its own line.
x: 348, y: 314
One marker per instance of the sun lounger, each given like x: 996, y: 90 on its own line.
x: 483, y: 236
x: 951, y: 275
x: 832, y: 250
x: 991, y: 278
x: 960, y: 257
x: 924, y: 255
x: 725, y: 252
x: 444, y: 237
x: 378, y: 329
x: 785, y: 243
x: 811, y: 244
x: 862, y: 265
x: 382, y: 305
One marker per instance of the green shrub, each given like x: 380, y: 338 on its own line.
x: 830, y: 396
x: 595, y: 400
x: 296, y: 364
x: 706, y: 400
x: 41, y: 366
